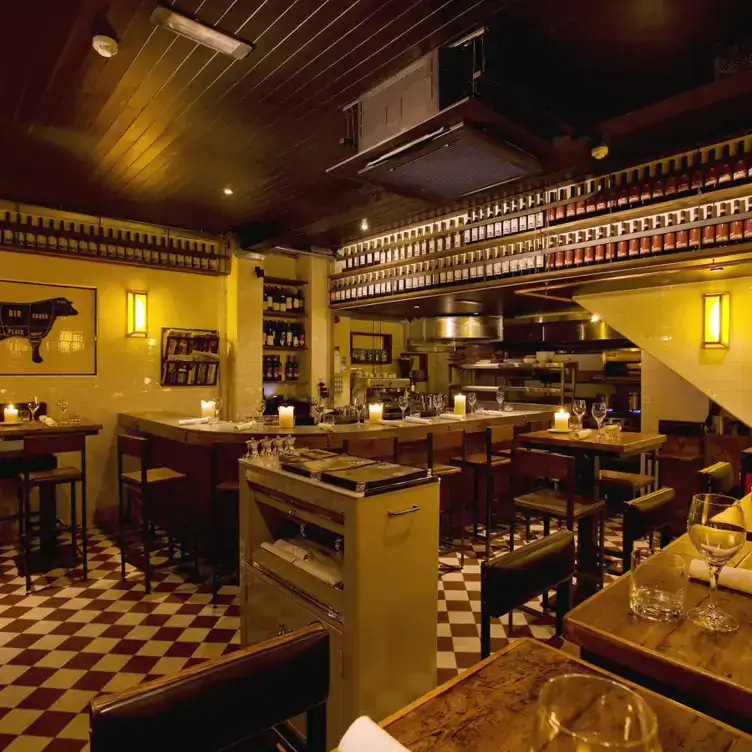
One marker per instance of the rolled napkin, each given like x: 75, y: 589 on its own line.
x: 486, y: 411
x: 582, y: 434
x: 327, y: 573
x: 416, y: 419
x: 365, y: 736
x: 297, y: 552
x: 48, y: 421
x: 452, y: 416
x: 277, y: 551
x: 192, y: 421
x: 243, y: 426
x: 730, y: 577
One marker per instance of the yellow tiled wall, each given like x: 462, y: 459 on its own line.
x: 128, y: 369
x: 666, y: 322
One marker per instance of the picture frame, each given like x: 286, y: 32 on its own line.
x: 47, y: 329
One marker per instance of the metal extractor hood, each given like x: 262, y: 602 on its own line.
x: 453, y: 330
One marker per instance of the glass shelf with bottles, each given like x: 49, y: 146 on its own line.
x: 283, y: 302
x: 281, y: 335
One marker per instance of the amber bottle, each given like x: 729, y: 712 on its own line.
x: 710, y: 180
x: 725, y: 169
x: 740, y: 165
x: 646, y: 189
x: 722, y: 230
x: 671, y: 182
x: 658, y: 186
x: 698, y: 177
x: 634, y: 188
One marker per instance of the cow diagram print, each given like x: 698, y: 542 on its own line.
x: 33, y: 321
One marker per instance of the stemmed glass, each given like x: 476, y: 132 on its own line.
x: 404, y: 403
x: 500, y: 396
x: 587, y: 712
x: 716, y: 528
x: 440, y: 404
x: 259, y: 408
x: 579, y: 408
x: 599, y: 412
x: 359, y: 406
x: 34, y: 406
x: 62, y: 405
x: 217, y: 410
x: 472, y: 398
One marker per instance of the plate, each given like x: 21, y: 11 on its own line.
x: 558, y: 430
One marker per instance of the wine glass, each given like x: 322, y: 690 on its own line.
x: 62, y: 405
x: 33, y: 406
x: 259, y: 407
x: 440, y: 403
x: 599, y: 412
x: 358, y: 406
x: 587, y: 712
x: 217, y: 410
x: 500, y: 396
x: 579, y: 408
x: 716, y: 528
x: 472, y: 398
x: 404, y: 403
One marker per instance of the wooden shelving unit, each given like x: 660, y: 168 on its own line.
x: 291, y: 315
x: 190, y: 357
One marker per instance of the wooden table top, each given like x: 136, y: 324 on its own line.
x: 15, y: 431
x: 709, y: 667
x: 627, y: 442
x: 491, y: 708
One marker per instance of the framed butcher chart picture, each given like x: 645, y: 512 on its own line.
x: 47, y: 330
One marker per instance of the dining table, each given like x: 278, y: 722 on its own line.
x: 707, y: 670
x: 491, y: 707
x: 12, y: 436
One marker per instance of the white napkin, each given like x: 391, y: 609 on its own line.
x: 326, y: 573
x: 192, y: 421
x: 47, y: 421
x: 365, y: 736
x: 486, y: 411
x: 416, y: 419
x: 452, y: 416
x: 731, y: 577
x: 277, y: 551
x: 243, y: 426
x: 582, y: 434
x: 297, y: 552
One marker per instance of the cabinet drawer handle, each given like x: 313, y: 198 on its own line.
x: 413, y: 508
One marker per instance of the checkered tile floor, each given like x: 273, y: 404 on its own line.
x: 69, y: 641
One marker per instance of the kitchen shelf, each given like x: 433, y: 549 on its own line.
x: 492, y: 367
x: 537, y: 389
x: 284, y: 381
x: 285, y: 349
x: 285, y: 315
x: 285, y: 281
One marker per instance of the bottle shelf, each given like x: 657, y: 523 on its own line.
x: 285, y: 381
x: 284, y: 315
x: 268, y: 348
x: 285, y: 282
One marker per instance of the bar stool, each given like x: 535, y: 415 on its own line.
x: 643, y: 517
x: 719, y: 479
x: 373, y: 448
x: 497, y: 442
x: 145, y: 482
x: 510, y: 580
x: 225, y: 493
x: 45, y: 446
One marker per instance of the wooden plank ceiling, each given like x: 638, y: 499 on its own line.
x: 157, y: 132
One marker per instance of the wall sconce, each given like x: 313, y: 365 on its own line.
x: 715, y: 320
x: 138, y: 322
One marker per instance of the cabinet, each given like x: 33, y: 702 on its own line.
x: 381, y: 616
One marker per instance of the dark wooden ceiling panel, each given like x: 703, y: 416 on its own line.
x: 159, y: 130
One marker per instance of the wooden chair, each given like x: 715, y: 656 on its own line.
x: 625, y: 484
x: 543, y: 484
x: 643, y: 517
x: 45, y: 446
x: 510, y: 580
x: 224, y: 703
x: 372, y: 448
x: 146, y: 482
x: 225, y: 495
x: 497, y: 441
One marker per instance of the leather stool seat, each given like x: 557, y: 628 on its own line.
x: 632, y: 481
x: 153, y: 475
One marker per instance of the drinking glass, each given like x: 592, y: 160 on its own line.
x: 599, y: 412
x: 34, y: 407
x: 579, y: 408
x: 578, y: 712
x: 658, y: 584
x: 716, y: 528
x: 472, y: 398
x: 440, y: 403
x: 404, y: 403
x: 259, y: 408
x: 62, y: 405
x: 500, y: 398
x: 214, y: 420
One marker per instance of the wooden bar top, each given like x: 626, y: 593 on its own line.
x: 491, y: 708
x: 627, y: 442
x: 707, y: 667
x: 165, y: 424
x: 16, y: 431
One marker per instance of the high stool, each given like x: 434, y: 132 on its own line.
x: 534, y: 475
x: 146, y: 482
x: 642, y: 517
x: 719, y: 479
x: 497, y: 441
x: 225, y: 493
x: 44, y: 446
x: 510, y: 580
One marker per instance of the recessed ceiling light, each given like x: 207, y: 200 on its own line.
x: 104, y: 45
x: 197, y: 32
x: 228, y: 191
x: 416, y: 306
x: 364, y: 225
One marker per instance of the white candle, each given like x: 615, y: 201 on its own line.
x: 376, y: 413
x: 460, y: 404
x: 561, y: 420
x: 207, y: 408
x: 10, y: 414
x: 286, y: 416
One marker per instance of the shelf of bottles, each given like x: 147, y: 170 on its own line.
x: 284, y: 335
x: 694, y: 200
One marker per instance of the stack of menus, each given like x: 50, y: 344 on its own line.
x: 355, y: 473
